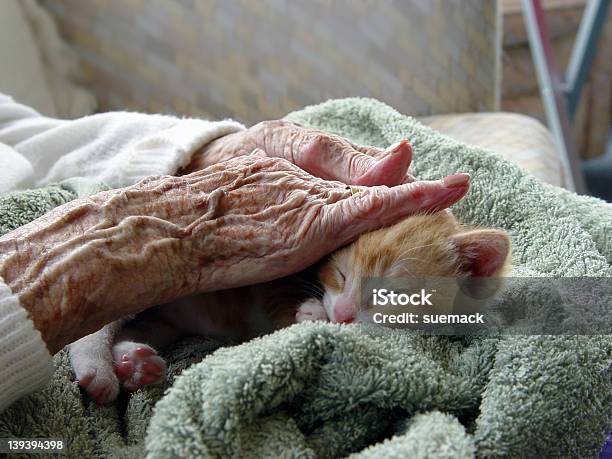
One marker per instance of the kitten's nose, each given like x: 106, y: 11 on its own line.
x: 345, y: 311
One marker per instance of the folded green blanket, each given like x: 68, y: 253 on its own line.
x: 324, y: 390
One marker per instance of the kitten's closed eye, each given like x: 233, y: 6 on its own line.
x: 341, y: 276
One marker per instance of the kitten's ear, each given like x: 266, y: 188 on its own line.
x: 482, y: 253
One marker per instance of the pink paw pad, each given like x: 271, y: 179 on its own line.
x: 137, y: 365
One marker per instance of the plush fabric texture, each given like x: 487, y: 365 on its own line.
x: 325, y: 390
x: 20, y: 207
x: 518, y: 138
x: 117, y: 148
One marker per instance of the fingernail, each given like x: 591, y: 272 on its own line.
x: 397, y: 146
x: 456, y: 180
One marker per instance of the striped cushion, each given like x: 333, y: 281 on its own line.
x: 518, y: 138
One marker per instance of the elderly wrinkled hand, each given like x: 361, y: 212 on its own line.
x: 249, y: 219
x: 321, y: 154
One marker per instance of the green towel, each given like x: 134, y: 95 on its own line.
x: 21, y: 207
x: 324, y: 390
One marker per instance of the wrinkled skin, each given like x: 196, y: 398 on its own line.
x: 321, y: 154
x: 248, y: 219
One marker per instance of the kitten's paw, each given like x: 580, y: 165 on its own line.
x: 311, y: 310
x: 137, y: 365
x: 99, y: 382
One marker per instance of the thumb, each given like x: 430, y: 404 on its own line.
x: 336, y: 159
x: 390, y: 169
x: 373, y: 208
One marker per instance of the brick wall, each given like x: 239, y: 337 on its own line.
x: 258, y: 59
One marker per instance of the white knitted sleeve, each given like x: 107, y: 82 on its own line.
x: 118, y: 148
x: 25, y: 362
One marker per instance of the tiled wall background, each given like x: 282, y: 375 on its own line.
x: 259, y: 59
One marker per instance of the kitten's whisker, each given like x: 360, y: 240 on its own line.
x: 311, y: 288
x: 423, y: 246
x: 313, y: 284
x: 403, y: 255
x: 410, y: 258
x: 411, y: 249
x: 313, y: 293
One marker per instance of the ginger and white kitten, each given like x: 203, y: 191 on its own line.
x: 124, y: 353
